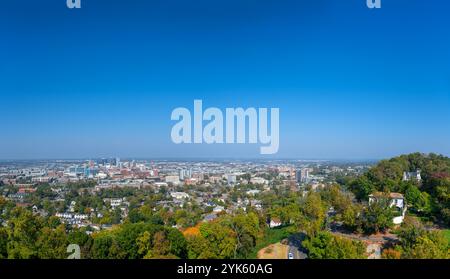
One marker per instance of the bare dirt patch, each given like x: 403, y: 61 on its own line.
x: 276, y: 251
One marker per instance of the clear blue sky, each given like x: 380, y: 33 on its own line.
x: 102, y: 81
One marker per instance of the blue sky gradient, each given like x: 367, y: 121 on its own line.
x: 350, y: 82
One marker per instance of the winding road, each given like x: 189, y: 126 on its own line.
x: 295, y: 247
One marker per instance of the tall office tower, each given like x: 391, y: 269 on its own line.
x: 185, y: 173
x: 302, y: 175
x: 298, y: 176
x: 306, y: 174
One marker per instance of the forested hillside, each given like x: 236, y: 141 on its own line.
x: 429, y: 197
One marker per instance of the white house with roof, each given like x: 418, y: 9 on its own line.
x: 275, y: 223
x: 395, y: 200
x: 415, y: 175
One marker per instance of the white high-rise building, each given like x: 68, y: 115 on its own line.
x: 231, y: 179
x: 185, y: 173
x: 302, y: 175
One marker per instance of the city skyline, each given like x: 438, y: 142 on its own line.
x: 240, y: 138
x: 102, y: 81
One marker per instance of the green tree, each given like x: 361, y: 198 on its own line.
x: 101, y: 245
x: 198, y: 247
x: 3, y: 203
x: 351, y: 217
x: 362, y: 187
x: 410, y: 231
x: 221, y: 239
x: 53, y: 222
x: 3, y: 243
x: 418, y: 243
x: 161, y: 246
x: 82, y: 239
x: 157, y: 246
x: 377, y: 217
x: 245, y: 227
x: 178, y: 244
x: 52, y: 243
x: 327, y: 246
x: 419, y: 201
x: 24, y: 229
x: 432, y: 245
x: 312, y: 216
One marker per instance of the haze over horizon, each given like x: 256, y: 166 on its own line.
x: 102, y: 81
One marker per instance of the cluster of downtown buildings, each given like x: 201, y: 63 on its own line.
x: 184, y: 182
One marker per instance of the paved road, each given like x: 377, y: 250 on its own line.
x: 295, y: 242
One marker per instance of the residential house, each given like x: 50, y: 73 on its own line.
x: 409, y: 176
x: 275, y: 223
x: 395, y: 200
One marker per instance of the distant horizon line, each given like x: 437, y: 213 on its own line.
x: 169, y: 158
x: 197, y: 159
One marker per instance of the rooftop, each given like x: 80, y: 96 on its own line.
x: 390, y: 195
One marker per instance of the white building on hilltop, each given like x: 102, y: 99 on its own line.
x: 415, y: 175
